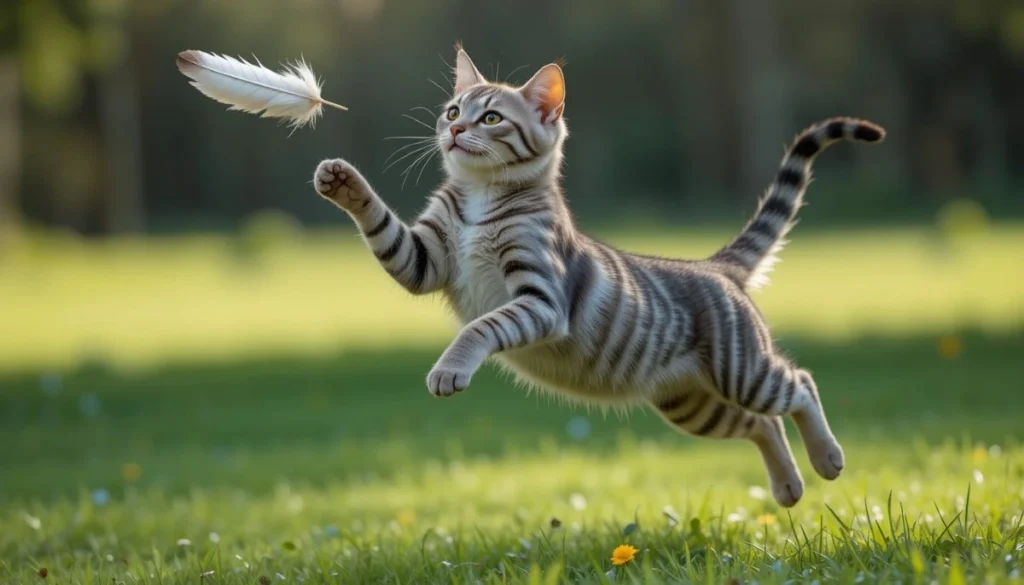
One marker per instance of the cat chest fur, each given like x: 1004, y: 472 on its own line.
x: 479, y: 286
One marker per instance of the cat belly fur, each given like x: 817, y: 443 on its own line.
x: 560, y: 367
x: 555, y: 365
x: 479, y: 288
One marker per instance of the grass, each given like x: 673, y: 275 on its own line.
x: 174, y: 414
x: 138, y: 303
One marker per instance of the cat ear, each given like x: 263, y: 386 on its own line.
x: 466, y: 74
x: 546, y: 90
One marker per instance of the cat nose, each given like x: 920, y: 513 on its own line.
x: 456, y: 130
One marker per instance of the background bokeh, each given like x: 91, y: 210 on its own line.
x: 677, y: 109
x: 180, y: 312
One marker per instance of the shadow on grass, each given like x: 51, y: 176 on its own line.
x: 318, y: 420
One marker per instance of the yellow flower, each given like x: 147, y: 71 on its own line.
x: 767, y: 519
x: 131, y: 472
x: 406, y: 517
x: 950, y: 347
x: 623, y: 554
x: 979, y: 455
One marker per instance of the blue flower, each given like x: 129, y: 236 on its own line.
x: 100, y: 497
x: 51, y: 383
x: 578, y: 428
x: 89, y: 404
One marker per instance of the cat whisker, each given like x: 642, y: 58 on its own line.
x: 405, y: 156
x: 418, y: 121
x: 425, y: 153
x: 416, y: 147
x: 447, y: 80
x: 493, y: 154
x: 432, y: 148
x: 443, y: 90
x: 409, y: 174
x: 491, y: 157
x: 445, y: 61
x: 513, y: 72
x: 409, y: 137
x: 425, y: 163
x: 429, y: 112
x: 502, y: 166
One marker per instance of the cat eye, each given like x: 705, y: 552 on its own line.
x: 492, y: 118
x: 453, y: 112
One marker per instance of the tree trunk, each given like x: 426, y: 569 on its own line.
x: 762, y: 102
x: 119, y: 115
x: 10, y: 146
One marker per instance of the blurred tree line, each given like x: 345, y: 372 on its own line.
x: 677, y: 108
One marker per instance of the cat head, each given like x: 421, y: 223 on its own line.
x: 490, y: 131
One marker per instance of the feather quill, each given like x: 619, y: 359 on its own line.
x: 292, y: 94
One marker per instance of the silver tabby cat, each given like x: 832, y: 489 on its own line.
x: 574, y: 315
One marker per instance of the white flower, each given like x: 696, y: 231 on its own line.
x: 184, y: 542
x: 578, y: 501
x: 757, y: 492
x: 33, y: 522
x: 671, y: 514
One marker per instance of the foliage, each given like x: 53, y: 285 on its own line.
x: 666, y: 104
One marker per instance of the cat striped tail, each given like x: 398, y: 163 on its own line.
x: 749, y: 258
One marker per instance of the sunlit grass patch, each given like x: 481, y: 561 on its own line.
x: 137, y: 302
x: 668, y: 515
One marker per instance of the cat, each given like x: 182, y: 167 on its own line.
x: 576, y: 316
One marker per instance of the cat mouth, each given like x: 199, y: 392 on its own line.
x: 455, y: 145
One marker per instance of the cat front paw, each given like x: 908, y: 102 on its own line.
x: 340, y: 183
x: 444, y: 380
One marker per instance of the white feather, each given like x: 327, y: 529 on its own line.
x: 292, y: 94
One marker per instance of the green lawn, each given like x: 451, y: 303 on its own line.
x: 174, y: 407
x: 136, y: 303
